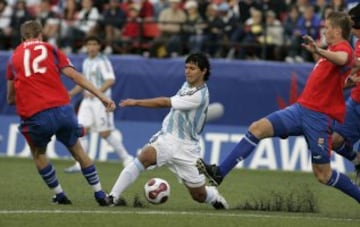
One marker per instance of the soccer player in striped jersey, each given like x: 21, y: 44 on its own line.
x: 314, y: 114
x: 176, y: 145
x: 92, y: 115
x: 347, y: 134
x: 35, y: 87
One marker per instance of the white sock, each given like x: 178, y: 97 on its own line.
x: 211, y: 194
x: 58, y: 189
x: 127, y: 176
x: 115, y: 140
x: 97, y: 187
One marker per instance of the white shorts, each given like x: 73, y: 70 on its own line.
x: 180, y: 157
x: 92, y: 114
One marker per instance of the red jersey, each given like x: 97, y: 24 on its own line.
x: 324, y: 89
x: 35, y: 69
x: 355, y: 92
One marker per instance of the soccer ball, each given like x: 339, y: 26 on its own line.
x: 157, y: 190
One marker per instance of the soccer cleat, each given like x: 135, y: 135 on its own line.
x: 357, y: 175
x: 61, y: 200
x: 220, y: 203
x: 102, y: 198
x: 117, y: 202
x: 73, y: 169
x: 210, y: 171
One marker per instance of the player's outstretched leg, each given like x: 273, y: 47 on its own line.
x: 115, y: 140
x: 210, y: 171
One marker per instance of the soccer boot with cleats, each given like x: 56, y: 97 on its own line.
x: 210, y: 171
x: 61, y: 200
x: 102, y: 198
x: 117, y: 202
x: 220, y: 203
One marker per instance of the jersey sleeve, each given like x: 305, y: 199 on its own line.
x: 344, y: 48
x: 186, y: 102
x: 63, y: 60
x: 106, y: 69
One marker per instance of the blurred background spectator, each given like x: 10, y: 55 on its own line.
x: 170, y: 23
x: 114, y: 19
x: 20, y: 14
x: 234, y: 29
x: 193, y: 27
x: 5, y: 20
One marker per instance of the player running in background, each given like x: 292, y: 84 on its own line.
x: 35, y: 87
x: 313, y: 116
x: 92, y: 115
x: 176, y: 145
x: 347, y: 134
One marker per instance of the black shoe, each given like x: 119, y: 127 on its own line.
x: 63, y: 200
x: 210, y: 171
x: 220, y: 203
x: 357, y: 175
x: 102, y: 198
x: 119, y: 202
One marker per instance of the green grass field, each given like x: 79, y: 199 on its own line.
x: 25, y: 200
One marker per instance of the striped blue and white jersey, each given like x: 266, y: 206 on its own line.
x: 188, y: 111
x: 97, y: 70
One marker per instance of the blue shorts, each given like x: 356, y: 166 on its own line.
x: 60, y: 121
x: 316, y: 127
x: 350, y: 130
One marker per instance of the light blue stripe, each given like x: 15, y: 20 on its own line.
x: 181, y: 126
x: 170, y: 126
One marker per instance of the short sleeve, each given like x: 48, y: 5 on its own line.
x: 63, y: 60
x: 106, y: 68
x: 186, y: 102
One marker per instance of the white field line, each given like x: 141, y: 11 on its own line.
x: 177, y: 213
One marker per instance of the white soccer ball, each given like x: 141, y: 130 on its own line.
x: 157, y: 190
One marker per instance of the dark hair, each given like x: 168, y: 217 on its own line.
x: 92, y: 38
x: 202, y: 61
x: 30, y: 29
x: 340, y: 20
x: 355, y: 16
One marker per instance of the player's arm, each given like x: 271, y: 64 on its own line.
x: 107, y: 84
x: 80, y: 80
x: 336, y: 57
x: 107, y: 71
x: 10, y: 92
x: 75, y: 90
x: 150, y: 103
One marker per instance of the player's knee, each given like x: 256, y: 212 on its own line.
x: 337, y: 140
x: 322, y: 176
x: 261, y: 128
